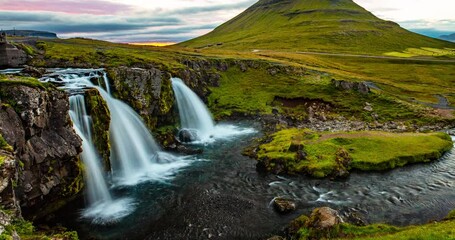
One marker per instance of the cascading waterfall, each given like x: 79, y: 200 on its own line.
x: 192, y: 111
x: 135, y: 156
x: 102, y: 208
x: 195, y: 118
x: 97, y: 190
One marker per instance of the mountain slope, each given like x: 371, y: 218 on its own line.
x: 450, y: 37
x: 312, y: 25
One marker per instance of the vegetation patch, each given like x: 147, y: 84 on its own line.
x: 415, y: 52
x: 26, y: 231
x: 322, y: 154
x: 303, y: 228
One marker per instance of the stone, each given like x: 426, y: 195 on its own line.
x: 187, y: 135
x: 368, y: 108
x: 283, y: 205
x: 276, y: 238
x: 189, y: 150
x: 363, y: 88
x: 34, y: 72
x: 324, y: 218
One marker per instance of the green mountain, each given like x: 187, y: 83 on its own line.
x: 312, y: 25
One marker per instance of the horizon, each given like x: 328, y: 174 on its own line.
x: 176, y: 21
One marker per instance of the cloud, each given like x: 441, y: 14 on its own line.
x: 213, y: 8
x: 96, y: 7
x: 175, y: 20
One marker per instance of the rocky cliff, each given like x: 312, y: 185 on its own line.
x: 148, y: 91
x: 34, y: 120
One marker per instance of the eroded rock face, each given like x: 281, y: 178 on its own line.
x: 148, y: 91
x: 35, y: 122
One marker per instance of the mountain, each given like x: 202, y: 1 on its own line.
x: 450, y: 37
x: 312, y: 25
x: 31, y: 33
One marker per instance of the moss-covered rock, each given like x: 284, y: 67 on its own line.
x: 325, y: 154
x: 97, y: 108
x: 148, y: 91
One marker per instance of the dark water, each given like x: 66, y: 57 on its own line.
x: 223, y: 197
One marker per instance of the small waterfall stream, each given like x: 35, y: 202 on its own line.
x: 196, y: 119
x: 192, y: 111
x: 96, y: 184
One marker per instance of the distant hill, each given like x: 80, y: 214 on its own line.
x: 31, y: 33
x: 312, y: 25
x: 450, y: 37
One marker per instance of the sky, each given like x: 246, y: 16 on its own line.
x: 179, y: 20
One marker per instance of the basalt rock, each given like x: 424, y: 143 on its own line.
x: 35, y: 122
x: 147, y: 90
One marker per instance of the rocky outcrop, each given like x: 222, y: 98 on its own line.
x: 97, y: 108
x: 148, y: 91
x: 35, y: 122
x: 10, y: 56
x: 361, y: 87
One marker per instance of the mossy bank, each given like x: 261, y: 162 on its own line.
x: 325, y: 223
x: 322, y: 154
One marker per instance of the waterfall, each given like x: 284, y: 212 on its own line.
x: 193, y: 113
x: 102, y: 208
x: 97, y: 189
x: 133, y: 149
x: 196, y: 121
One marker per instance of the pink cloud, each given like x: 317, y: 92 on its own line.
x: 95, y: 7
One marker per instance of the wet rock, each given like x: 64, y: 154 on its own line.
x: 189, y: 150
x: 276, y: 238
x: 34, y: 72
x: 283, y: 205
x: 187, y: 135
x: 324, y: 218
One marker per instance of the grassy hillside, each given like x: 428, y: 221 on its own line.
x: 312, y: 25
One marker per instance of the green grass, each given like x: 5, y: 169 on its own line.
x: 255, y: 90
x: 312, y: 25
x: 302, y: 230
x: 431, y: 231
x: 27, y: 231
x: 367, y: 150
x: 414, y: 52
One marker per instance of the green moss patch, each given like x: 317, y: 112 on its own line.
x: 27, y: 231
x: 325, y: 154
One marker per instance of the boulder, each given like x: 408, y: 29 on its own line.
x: 283, y: 205
x: 187, y: 135
x: 324, y: 218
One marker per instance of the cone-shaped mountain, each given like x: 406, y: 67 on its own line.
x: 312, y: 25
